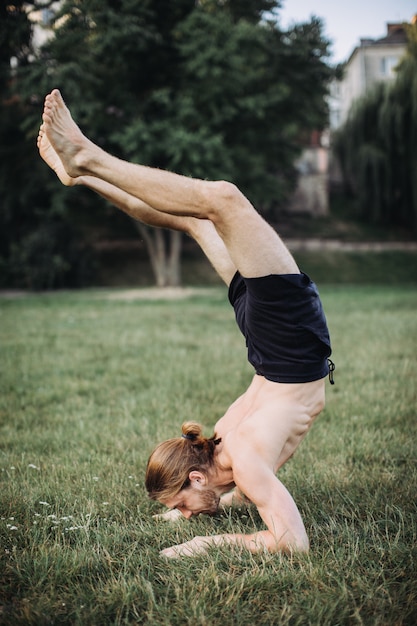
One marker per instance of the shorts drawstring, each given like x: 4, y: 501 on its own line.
x: 332, y: 368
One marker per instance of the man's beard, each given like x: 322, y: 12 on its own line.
x: 209, y: 501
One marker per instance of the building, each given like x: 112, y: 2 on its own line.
x: 311, y: 194
x: 373, y: 61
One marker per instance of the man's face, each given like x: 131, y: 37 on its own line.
x: 194, y: 500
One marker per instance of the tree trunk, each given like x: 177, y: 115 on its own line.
x: 164, y: 248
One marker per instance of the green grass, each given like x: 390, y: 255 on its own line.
x: 89, y: 384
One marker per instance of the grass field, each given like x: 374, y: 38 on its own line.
x: 91, y: 381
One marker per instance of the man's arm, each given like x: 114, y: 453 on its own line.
x: 233, y: 498
x: 281, y: 539
x: 285, y: 529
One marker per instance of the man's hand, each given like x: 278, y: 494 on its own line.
x: 198, y: 545
x: 170, y: 516
x: 233, y: 498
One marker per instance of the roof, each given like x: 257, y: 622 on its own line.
x: 396, y: 35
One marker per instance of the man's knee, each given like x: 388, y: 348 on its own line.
x: 222, y: 199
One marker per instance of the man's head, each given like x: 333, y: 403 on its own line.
x: 197, y: 498
x: 177, y: 471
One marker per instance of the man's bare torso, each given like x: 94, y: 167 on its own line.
x: 273, y: 417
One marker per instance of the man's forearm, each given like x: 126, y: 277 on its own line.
x: 261, y: 541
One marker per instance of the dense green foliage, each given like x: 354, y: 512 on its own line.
x: 91, y: 381
x: 211, y: 89
x: 40, y: 246
x: 378, y: 147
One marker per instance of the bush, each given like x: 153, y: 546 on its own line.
x: 50, y: 257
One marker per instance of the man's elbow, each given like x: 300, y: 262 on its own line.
x: 301, y: 547
x: 292, y: 544
x: 288, y: 543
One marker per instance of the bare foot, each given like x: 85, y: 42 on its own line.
x: 51, y: 158
x: 64, y: 135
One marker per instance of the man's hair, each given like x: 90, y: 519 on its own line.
x: 172, y: 461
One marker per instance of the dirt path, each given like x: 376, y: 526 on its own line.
x: 351, y: 246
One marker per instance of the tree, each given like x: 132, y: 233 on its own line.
x: 15, y: 47
x: 377, y: 147
x: 212, y: 89
x: 39, y: 246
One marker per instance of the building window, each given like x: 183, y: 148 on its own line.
x: 388, y: 65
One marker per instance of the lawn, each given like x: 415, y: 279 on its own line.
x: 91, y: 381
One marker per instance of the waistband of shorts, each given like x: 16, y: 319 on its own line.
x: 261, y: 285
x: 295, y: 372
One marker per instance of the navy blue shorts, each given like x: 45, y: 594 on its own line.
x: 282, y: 320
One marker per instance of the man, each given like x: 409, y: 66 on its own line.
x: 278, y: 310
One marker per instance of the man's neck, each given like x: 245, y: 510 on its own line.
x: 220, y: 479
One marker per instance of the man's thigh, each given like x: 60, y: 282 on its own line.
x: 255, y: 247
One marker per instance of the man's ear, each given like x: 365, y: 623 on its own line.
x: 197, y: 477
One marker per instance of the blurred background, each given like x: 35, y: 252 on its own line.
x: 325, y: 147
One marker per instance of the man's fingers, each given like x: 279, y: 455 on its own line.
x: 170, y: 553
x: 170, y: 516
x: 195, y: 546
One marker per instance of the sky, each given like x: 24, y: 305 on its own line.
x: 347, y: 21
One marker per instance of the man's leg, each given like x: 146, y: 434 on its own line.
x: 254, y: 247
x: 203, y: 231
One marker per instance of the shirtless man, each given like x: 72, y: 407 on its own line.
x: 277, y: 309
